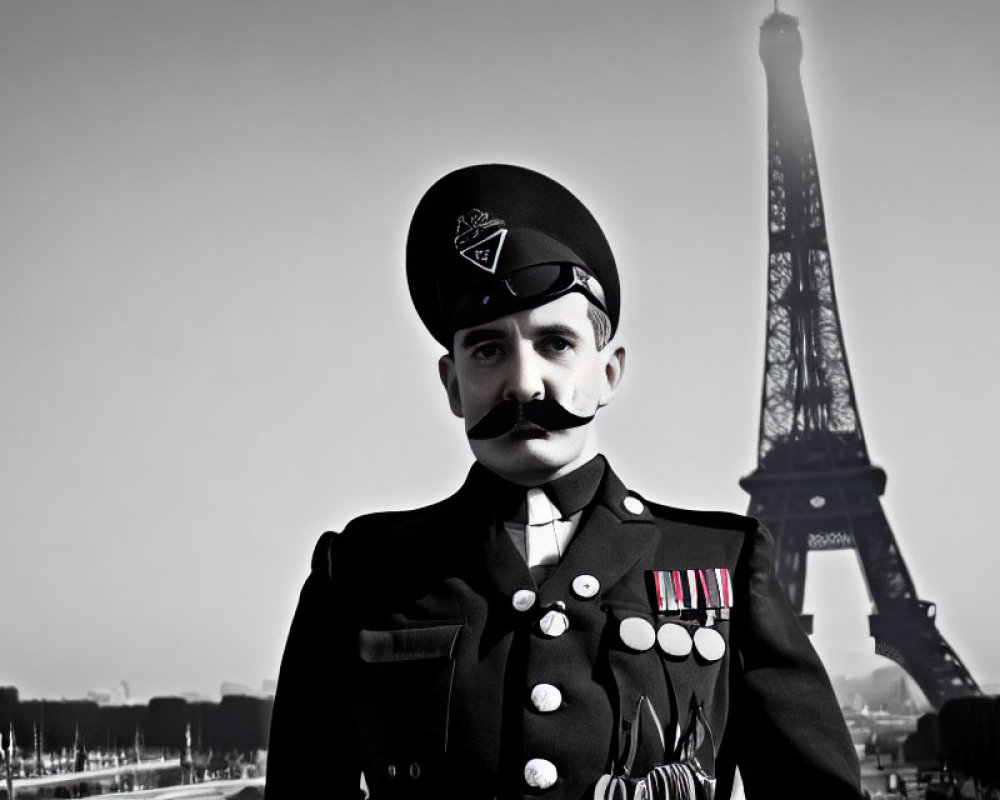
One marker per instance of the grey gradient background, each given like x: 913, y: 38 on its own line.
x: 207, y: 352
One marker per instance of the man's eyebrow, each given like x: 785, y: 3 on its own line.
x: 480, y: 335
x: 556, y: 329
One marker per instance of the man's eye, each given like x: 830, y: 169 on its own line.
x: 558, y: 344
x: 486, y: 351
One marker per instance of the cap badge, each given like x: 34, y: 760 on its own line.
x: 479, y: 238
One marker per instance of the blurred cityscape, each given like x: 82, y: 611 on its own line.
x: 907, y: 749
x: 111, y: 743
x: 186, y: 745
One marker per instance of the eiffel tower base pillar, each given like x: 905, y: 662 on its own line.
x: 907, y: 635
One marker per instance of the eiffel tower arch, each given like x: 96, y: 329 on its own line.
x: 814, y: 485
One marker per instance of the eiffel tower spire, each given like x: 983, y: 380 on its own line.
x: 814, y: 485
x: 808, y: 394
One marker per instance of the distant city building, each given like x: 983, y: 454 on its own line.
x: 239, y: 689
x: 888, y: 688
x: 100, y: 696
x: 195, y: 697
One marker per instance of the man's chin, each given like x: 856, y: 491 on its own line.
x: 527, y: 456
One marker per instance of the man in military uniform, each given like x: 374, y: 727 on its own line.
x: 543, y: 632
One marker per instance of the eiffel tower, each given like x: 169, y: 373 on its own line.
x: 814, y: 485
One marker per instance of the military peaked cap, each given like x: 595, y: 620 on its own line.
x: 493, y: 239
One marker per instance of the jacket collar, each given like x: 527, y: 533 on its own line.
x: 570, y: 493
x: 574, y: 492
x: 612, y: 536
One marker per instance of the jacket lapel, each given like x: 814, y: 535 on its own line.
x: 494, y: 554
x: 609, y: 542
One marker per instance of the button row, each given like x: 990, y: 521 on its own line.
x: 540, y: 773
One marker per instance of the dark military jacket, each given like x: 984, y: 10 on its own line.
x: 407, y: 660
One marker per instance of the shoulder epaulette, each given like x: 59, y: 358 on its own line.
x: 708, y: 519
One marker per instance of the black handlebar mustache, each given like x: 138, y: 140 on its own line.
x: 505, y: 415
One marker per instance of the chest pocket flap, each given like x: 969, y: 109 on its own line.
x: 408, y: 644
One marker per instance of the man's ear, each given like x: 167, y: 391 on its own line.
x: 614, y: 368
x: 449, y: 379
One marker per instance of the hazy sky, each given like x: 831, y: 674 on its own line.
x: 207, y: 350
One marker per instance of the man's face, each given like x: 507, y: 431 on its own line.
x: 547, y: 352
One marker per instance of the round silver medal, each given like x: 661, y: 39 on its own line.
x: 637, y: 633
x: 709, y: 644
x: 674, y: 640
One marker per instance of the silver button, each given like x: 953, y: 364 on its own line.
x: 391, y: 769
x: 546, y: 697
x: 540, y: 773
x: 633, y: 504
x: 414, y: 770
x: 674, y: 640
x: 523, y: 599
x: 637, y: 633
x: 585, y: 586
x: 709, y: 644
x: 554, y: 623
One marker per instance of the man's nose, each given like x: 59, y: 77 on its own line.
x: 525, y: 380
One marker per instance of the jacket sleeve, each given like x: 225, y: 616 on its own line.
x: 788, y: 733
x: 313, y: 748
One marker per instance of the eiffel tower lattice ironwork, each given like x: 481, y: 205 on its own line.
x: 814, y: 485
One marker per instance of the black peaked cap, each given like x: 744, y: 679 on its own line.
x: 478, y: 225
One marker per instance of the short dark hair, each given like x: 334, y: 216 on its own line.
x: 599, y: 320
x: 602, y: 325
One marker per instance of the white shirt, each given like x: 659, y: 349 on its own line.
x: 543, y: 541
